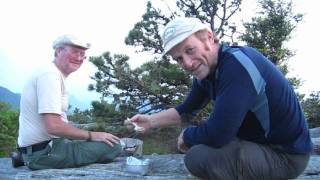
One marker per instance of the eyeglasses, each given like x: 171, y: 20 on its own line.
x: 75, y: 51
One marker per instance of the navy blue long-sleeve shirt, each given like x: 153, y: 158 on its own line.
x: 252, y: 101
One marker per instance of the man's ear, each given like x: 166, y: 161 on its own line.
x: 210, y: 40
x: 212, y: 37
x: 215, y: 38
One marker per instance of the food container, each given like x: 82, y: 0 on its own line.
x: 136, y: 166
x: 137, y: 169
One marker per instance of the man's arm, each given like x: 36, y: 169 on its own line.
x: 165, y: 118
x: 56, y: 126
x: 161, y: 119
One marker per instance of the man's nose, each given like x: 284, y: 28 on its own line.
x: 187, y: 62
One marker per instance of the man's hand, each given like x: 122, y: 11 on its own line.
x: 181, y: 146
x: 105, y: 137
x: 140, y: 123
x: 137, y: 128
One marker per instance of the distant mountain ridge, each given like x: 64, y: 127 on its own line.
x: 12, y: 98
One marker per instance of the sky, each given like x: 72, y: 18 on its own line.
x: 28, y: 29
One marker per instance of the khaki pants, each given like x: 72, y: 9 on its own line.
x: 66, y: 153
x: 244, y: 160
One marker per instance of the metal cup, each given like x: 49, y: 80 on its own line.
x: 132, y: 146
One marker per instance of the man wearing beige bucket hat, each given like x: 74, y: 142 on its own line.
x: 256, y: 129
x: 46, y: 139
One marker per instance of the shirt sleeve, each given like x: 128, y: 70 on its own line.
x: 197, y: 99
x: 49, y: 93
x: 235, y: 96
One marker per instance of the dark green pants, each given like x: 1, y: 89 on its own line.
x: 65, y: 153
x: 244, y: 160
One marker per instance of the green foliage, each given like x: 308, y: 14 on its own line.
x: 8, y: 129
x: 80, y: 117
x: 311, y: 107
x: 149, y: 88
x: 145, y: 34
x: 269, y: 31
x: 103, y: 112
x: 150, y: 147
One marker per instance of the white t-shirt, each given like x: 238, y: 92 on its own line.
x: 45, y: 92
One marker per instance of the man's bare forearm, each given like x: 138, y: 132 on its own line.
x: 165, y: 118
x: 57, y: 127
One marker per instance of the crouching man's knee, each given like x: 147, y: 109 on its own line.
x: 212, y: 163
x: 195, y: 161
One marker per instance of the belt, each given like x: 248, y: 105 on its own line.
x: 34, y: 147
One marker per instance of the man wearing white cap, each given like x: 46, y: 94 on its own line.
x: 46, y: 140
x: 256, y: 129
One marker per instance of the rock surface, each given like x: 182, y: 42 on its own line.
x: 162, y: 167
x: 167, y: 167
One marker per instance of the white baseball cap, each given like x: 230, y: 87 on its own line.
x: 178, y: 30
x: 69, y: 39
